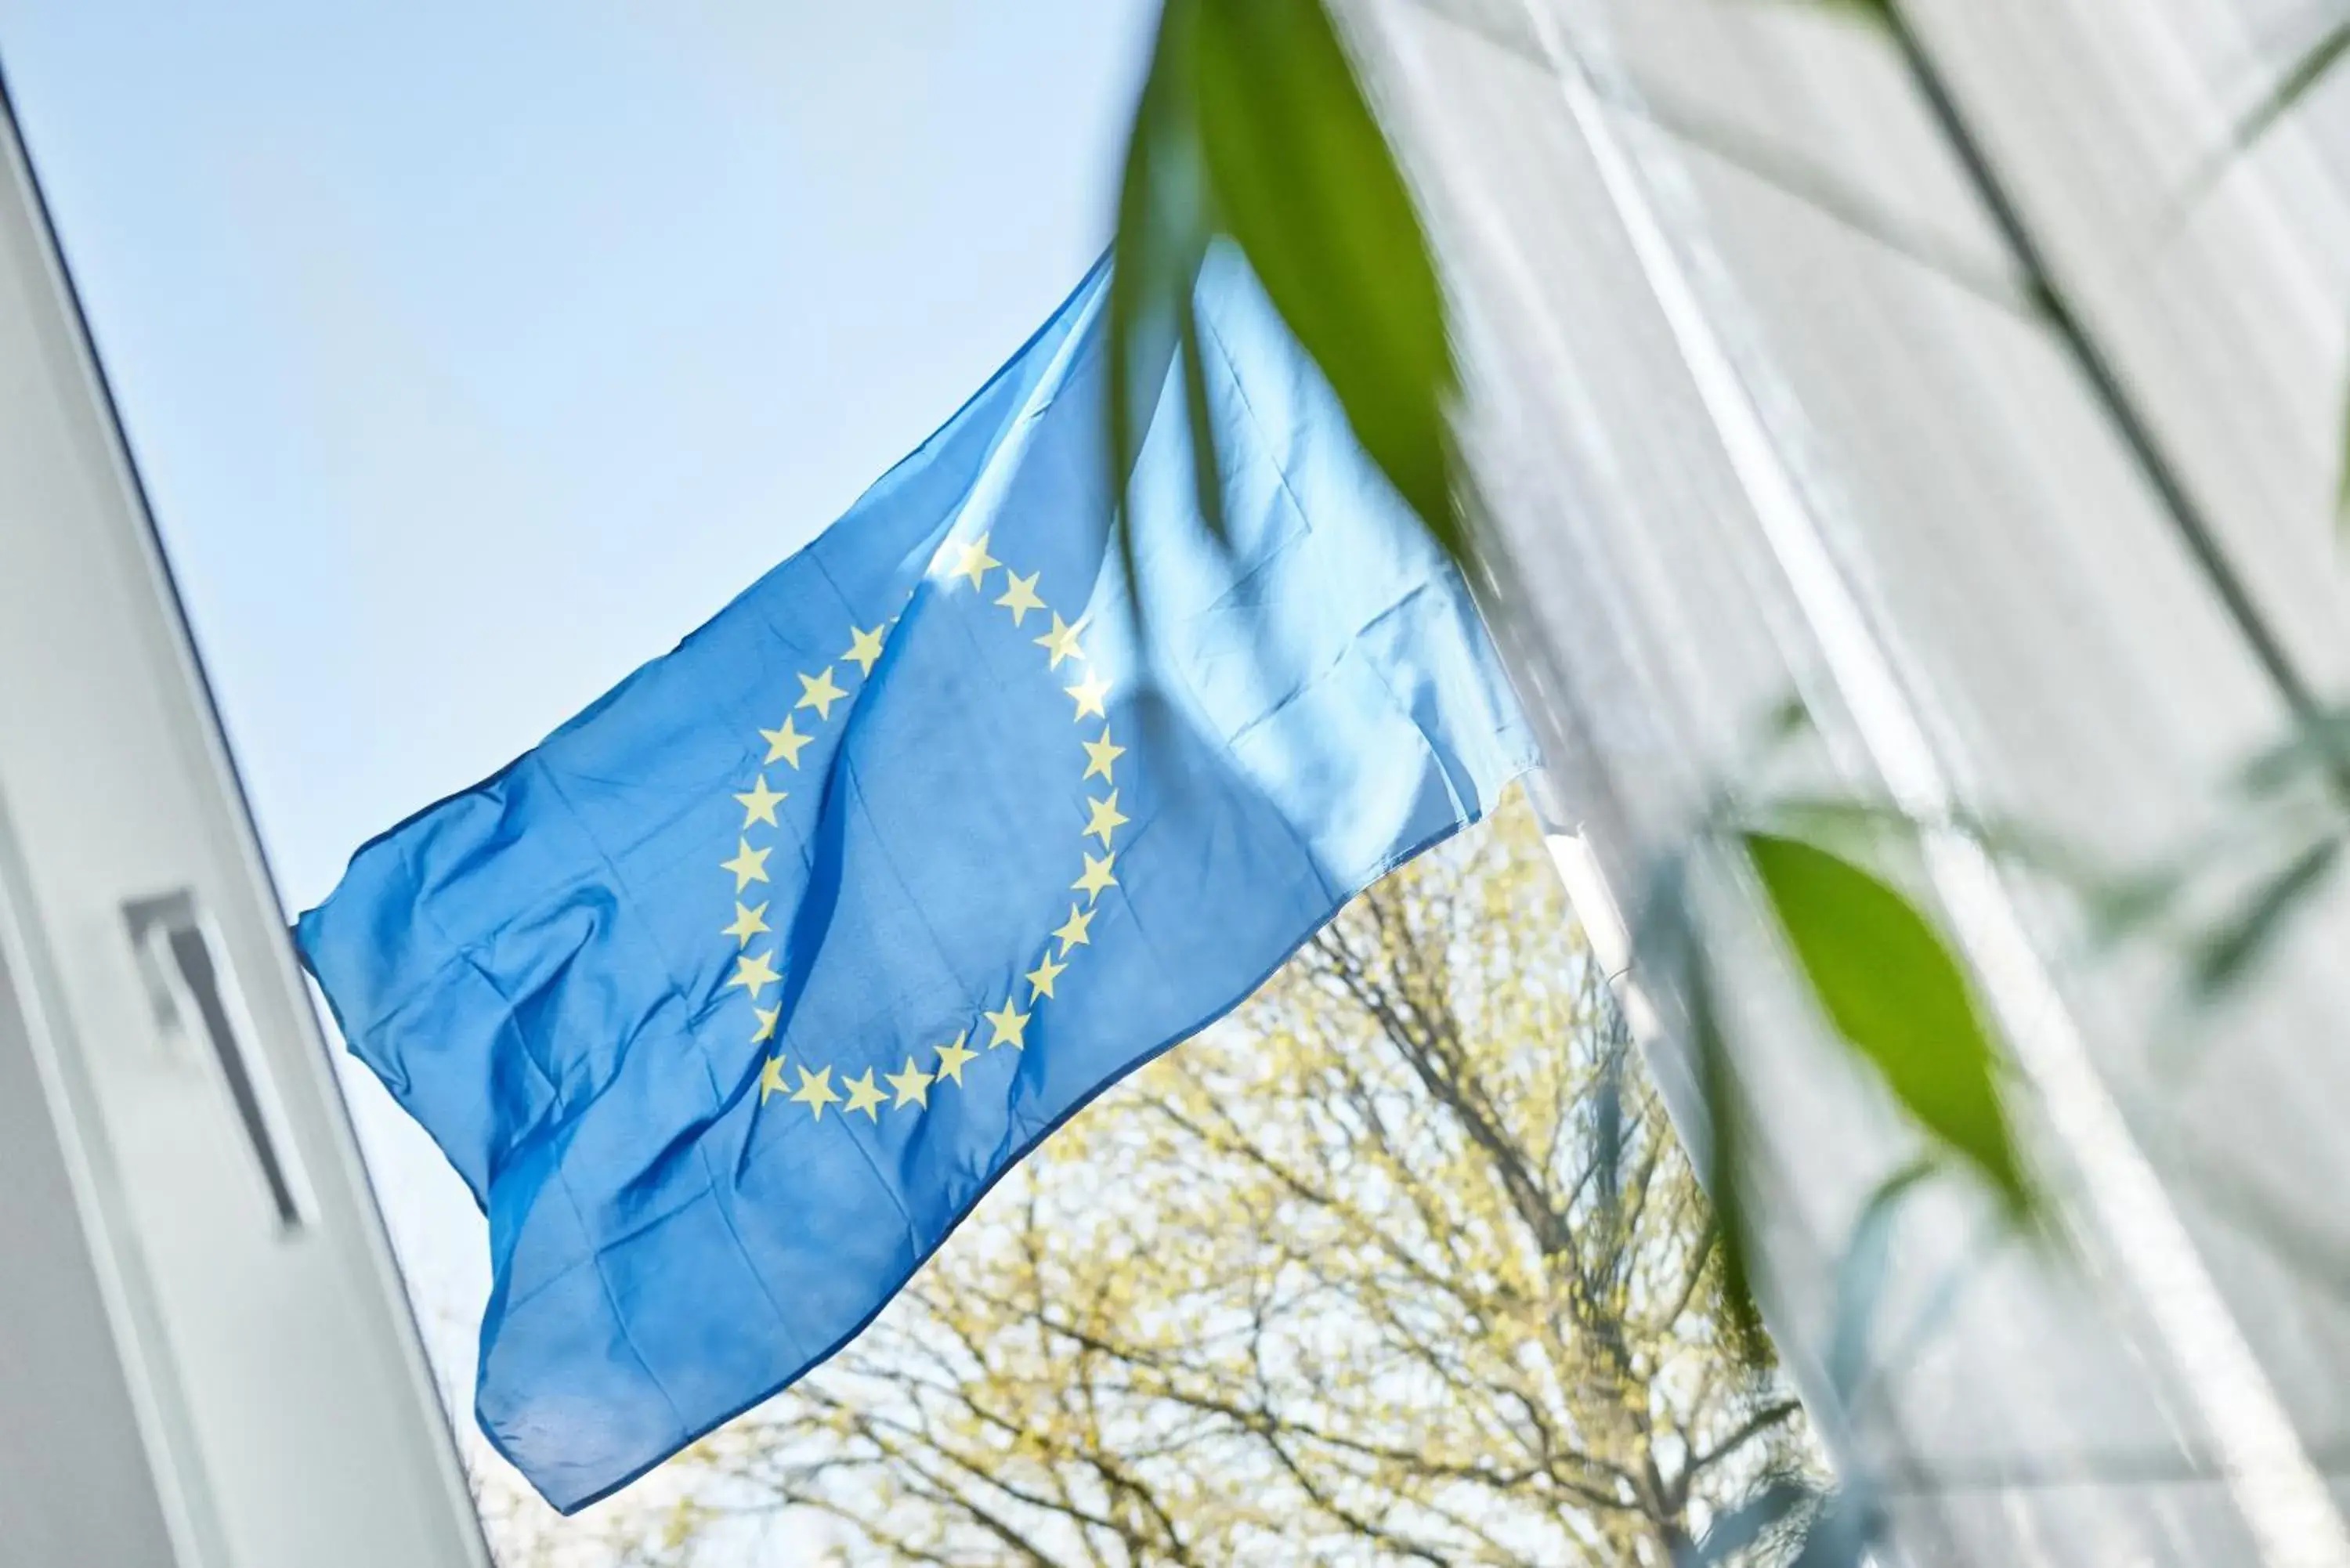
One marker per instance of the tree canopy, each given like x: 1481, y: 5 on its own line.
x: 1401, y: 1263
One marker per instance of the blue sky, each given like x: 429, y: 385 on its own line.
x: 473, y: 354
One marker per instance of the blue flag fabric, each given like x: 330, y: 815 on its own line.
x: 733, y: 996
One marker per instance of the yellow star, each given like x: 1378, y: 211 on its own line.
x: 749, y: 865
x: 816, y: 1091
x: 953, y: 1057
x: 1073, y: 931
x: 759, y: 805
x: 784, y: 745
x: 819, y: 694
x: 748, y: 923
x: 767, y: 1017
x: 1106, y: 818
x: 863, y: 647
x: 1021, y: 596
x: 1009, y: 1024
x: 913, y: 1085
x: 753, y: 973
x: 1061, y: 642
x: 1100, y: 756
x: 771, y: 1078
x: 1089, y: 695
x: 975, y: 563
x: 863, y: 1095
x: 1042, y: 976
x: 1096, y: 877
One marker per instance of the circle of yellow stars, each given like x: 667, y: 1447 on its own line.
x: 909, y: 1088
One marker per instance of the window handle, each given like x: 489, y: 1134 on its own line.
x: 196, y: 995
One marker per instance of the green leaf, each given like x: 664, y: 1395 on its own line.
x: 2119, y: 903
x: 1869, y: 13
x: 1779, y: 1500
x: 1817, y: 820
x: 2228, y: 953
x: 1791, y: 716
x: 2342, y: 480
x: 1842, y: 1533
x: 1860, y: 1280
x: 1722, y: 1167
x: 1164, y: 223
x: 2128, y: 904
x: 2315, y: 63
x: 1891, y: 988
x: 1774, y: 160
x: 1304, y: 182
x: 2316, y: 743
x: 1207, y: 468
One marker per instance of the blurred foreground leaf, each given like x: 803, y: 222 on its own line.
x: 1252, y: 126
x: 1872, y: 13
x: 2315, y: 63
x: 1857, y: 819
x: 1777, y: 1504
x: 2118, y: 902
x: 1893, y: 991
x: 1163, y: 228
x: 1842, y: 1536
x: 2227, y: 955
x: 2342, y: 480
x: 1789, y: 1519
x: 1724, y: 1166
x: 1860, y: 1280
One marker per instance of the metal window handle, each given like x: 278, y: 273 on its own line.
x: 195, y: 993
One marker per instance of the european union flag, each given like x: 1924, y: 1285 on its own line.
x: 733, y: 996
